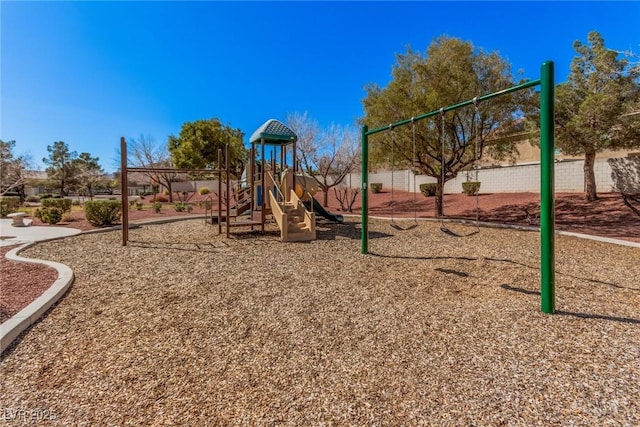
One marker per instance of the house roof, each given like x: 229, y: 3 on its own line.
x: 274, y: 132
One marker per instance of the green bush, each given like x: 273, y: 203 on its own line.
x: 46, y: 196
x: 376, y: 187
x: 471, y: 188
x: 157, y: 207
x: 63, y: 204
x: 138, y: 205
x: 180, y: 206
x: 50, y: 215
x: 428, y: 190
x: 9, y: 204
x: 33, y: 199
x: 204, y: 190
x: 103, y: 212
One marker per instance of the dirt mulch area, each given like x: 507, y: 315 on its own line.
x: 184, y: 327
x: 21, y: 283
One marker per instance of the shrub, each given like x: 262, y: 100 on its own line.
x: 180, y: 206
x: 9, y: 204
x: 33, y: 199
x: 50, y: 215
x: 138, y: 205
x: 189, y: 208
x: 160, y: 198
x: 376, y: 187
x: 103, y: 212
x: 76, y: 202
x: 68, y: 217
x: 63, y: 204
x: 165, y: 192
x: 46, y: 196
x: 471, y: 188
x: 204, y: 190
x: 428, y: 189
x: 157, y: 207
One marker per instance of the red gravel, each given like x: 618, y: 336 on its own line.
x: 21, y: 283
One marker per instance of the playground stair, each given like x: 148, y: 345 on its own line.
x: 297, y: 229
x: 295, y: 222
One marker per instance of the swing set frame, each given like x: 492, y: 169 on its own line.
x: 547, y: 180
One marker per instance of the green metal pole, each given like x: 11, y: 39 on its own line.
x: 365, y: 190
x: 547, y: 181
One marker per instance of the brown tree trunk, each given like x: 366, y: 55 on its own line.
x: 325, y: 198
x: 590, y: 177
x: 439, y: 198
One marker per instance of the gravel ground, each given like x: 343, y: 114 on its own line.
x: 184, y: 327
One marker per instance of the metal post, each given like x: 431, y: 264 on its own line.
x: 263, y: 203
x: 547, y: 181
x: 227, y: 162
x: 365, y: 190
x: 124, y: 191
x: 219, y: 192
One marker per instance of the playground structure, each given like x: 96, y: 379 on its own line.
x: 271, y: 192
x: 547, y: 214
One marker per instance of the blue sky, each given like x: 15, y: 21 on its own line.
x: 87, y: 73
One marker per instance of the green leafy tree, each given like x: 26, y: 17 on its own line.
x: 61, y: 166
x: 197, y: 145
x: 450, y: 72
x: 595, y: 107
x: 89, y: 173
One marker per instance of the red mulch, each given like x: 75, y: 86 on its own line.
x: 21, y: 283
x: 607, y: 217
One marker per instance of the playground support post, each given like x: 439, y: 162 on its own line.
x: 547, y: 184
x: 365, y: 190
x: 124, y: 191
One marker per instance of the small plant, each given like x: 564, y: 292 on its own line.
x: 204, y: 190
x: 189, y: 208
x: 75, y: 202
x: 471, y: 188
x: 67, y: 217
x: 180, y: 206
x: 165, y: 192
x: 50, y: 215
x: 157, y: 207
x: 102, y: 212
x: 138, y: 205
x: 376, y: 187
x: 428, y: 189
x: 33, y: 199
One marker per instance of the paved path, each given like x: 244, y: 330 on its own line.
x: 25, y: 237
x: 10, y: 235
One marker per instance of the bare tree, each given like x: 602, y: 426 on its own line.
x: 144, y: 152
x: 328, y: 156
x: 12, y: 169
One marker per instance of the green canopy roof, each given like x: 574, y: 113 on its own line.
x: 274, y: 132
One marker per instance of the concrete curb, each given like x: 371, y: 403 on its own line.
x: 13, y: 327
